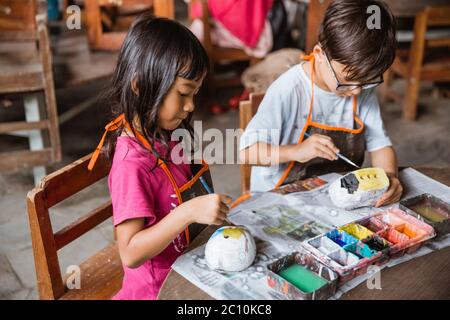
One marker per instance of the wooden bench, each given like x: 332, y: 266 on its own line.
x: 101, y: 275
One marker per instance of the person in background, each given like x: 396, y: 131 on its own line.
x: 330, y: 97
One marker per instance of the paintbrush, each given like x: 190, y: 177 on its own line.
x: 340, y: 155
x: 208, y: 189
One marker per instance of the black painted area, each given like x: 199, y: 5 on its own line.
x: 350, y: 182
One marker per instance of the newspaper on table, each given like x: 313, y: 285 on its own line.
x: 279, y: 223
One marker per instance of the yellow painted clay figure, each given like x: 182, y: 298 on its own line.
x: 371, y: 178
x: 359, y: 188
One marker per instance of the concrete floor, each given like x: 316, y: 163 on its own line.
x: 421, y: 143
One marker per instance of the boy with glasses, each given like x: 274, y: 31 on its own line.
x: 327, y: 104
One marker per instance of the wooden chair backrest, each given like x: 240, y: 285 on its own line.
x: 438, y: 15
x: 113, y: 40
x: 53, y: 189
x: 431, y: 16
x: 207, y: 42
x: 18, y: 20
x: 25, y: 21
x: 247, y: 109
x: 316, y: 13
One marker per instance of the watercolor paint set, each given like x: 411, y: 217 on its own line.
x: 370, y: 240
x: 348, y: 251
x: 431, y: 210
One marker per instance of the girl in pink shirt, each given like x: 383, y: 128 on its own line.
x: 160, y: 69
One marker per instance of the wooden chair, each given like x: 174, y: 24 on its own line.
x: 247, y: 109
x: 316, y: 13
x: 28, y: 72
x: 418, y: 63
x: 217, y: 54
x: 101, y: 274
x: 117, y: 15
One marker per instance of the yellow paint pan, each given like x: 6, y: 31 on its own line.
x: 356, y: 230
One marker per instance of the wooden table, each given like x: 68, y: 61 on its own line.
x: 425, y: 277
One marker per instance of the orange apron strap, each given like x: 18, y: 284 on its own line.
x: 291, y: 164
x: 166, y: 170
x: 307, y: 57
x: 113, y: 125
x: 240, y: 199
x: 191, y: 182
x: 310, y: 58
x: 163, y: 165
x: 356, y: 118
x: 188, y: 237
x: 116, y: 124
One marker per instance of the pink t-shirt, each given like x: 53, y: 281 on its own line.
x: 140, y: 190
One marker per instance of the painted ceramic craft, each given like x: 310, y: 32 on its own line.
x: 230, y: 249
x: 360, y: 188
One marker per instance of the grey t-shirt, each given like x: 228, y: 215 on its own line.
x: 283, y: 112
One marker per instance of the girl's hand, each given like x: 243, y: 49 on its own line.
x: 317, y: 145
x: 393, y: 194
x: 208, y: 209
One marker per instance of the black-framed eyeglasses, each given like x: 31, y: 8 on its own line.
x: 349, y: 87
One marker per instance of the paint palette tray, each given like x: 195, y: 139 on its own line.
x: 367, y: 241
x: 351, y: 257
x: 404, y: 231
x: 325, y: 245
x: 302, y: 276
x: 430, y: 210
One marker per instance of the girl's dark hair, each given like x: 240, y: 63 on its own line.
x: 346, y: 37
x: 155, y: 52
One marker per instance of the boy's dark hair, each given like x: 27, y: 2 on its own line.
x: 347, y: 39
x: 155, y: 52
